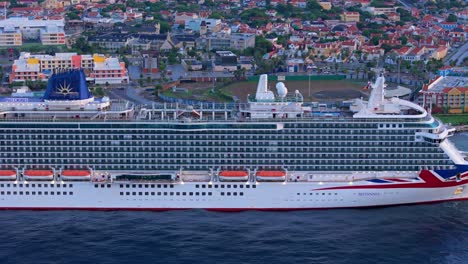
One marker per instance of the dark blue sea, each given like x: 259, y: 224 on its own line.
x: 436, y: 233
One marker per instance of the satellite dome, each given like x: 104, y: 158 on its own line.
x: 105, y: 99
x: 281, y: 89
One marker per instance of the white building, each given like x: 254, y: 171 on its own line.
x: 14, y: 30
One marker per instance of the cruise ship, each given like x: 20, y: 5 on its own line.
x: 68, y: 150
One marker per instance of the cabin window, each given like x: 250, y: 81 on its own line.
x: 95, y: 185
x: 191, y: 193
x: 222, y: 193
x: 152, y: 193
x: 71, y: 193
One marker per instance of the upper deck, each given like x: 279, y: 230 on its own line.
x: 66, y: 103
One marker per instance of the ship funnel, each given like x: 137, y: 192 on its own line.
x: 262, y: 90
x: 376, y: 97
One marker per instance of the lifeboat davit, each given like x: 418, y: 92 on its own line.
x: 233, y: 175
x: 38, y: 175
x: 75, y: 175
x: 271, y: 175
x: 6, y: 175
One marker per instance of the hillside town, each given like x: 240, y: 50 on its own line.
x: 156, y: 44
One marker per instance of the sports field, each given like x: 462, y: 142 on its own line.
x: 320, y: 91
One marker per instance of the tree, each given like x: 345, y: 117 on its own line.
x: 164, y: 27
x: 216, y: 15
x: 82, y: 45
x: 262, y: 44
x: 404, y: 40
x: 239, y: 73
x: 452, y: 18
x: 73, y: 16
x: 162, y: 66
x: 375, y: 40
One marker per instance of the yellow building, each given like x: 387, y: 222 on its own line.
x: 457, y: 100
x: 10, y: 39
x: 449, y: 93
x: 325, y: 5
x: 350, y: 17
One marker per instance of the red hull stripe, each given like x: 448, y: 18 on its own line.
x: 430, y: 181
x: 222, y: 209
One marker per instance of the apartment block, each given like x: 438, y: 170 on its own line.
x: 98, y: 68
x: 14, y: 30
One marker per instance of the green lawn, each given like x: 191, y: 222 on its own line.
x: 454, y: 119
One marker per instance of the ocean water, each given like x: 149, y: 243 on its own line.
x: 435, y: 233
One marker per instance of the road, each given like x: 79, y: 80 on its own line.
x: 459, y: 55
x: 128, y: 92
x: 406, y: 4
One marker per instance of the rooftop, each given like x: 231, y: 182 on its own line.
x: 448, y: 82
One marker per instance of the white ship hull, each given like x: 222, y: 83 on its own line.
x: 265, y: 196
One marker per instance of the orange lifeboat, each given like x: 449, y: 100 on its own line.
x: 6, y: 175
x: 38, y: 175
x: 233, y: 175
x: 75, y: 175
x: 271, y: 175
